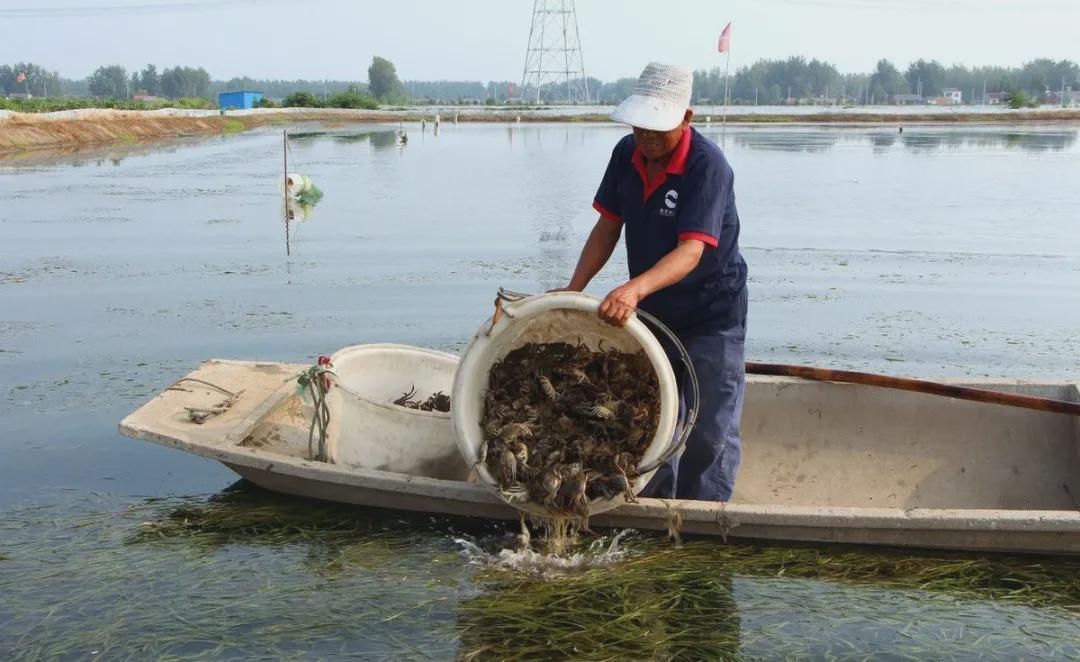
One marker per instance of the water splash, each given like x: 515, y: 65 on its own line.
x: 493, y: 552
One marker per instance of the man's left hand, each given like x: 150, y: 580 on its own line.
x: 620, y: 303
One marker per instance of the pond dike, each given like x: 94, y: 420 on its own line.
x: 87, y: 127
x: 98, y: 126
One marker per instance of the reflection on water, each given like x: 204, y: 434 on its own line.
x: 1028, y: 141
x: 916, y: 139
x: 788, y: 141
x: 378, y: 137
x: 77, y: 154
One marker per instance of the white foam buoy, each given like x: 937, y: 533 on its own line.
x: 296, y: 183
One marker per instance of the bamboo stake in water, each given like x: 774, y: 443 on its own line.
x: 285, y: 175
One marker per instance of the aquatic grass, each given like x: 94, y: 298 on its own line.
x: 256, y: 517
x: 250, y: 574
x: 667, y: 602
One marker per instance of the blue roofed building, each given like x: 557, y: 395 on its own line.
x: 241, y: 99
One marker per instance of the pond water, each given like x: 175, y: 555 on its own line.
x: 939, y: 251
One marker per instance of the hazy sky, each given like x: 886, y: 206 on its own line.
x: 486, y: 39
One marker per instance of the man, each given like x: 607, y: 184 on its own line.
x: 672, y: 190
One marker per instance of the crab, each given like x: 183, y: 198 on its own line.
x: 516, y: 493
x: 577, y: 375
x: 624, y: 465
x: 604, y: 411
x: 548, y: 388
x: 578, y: 501
x: 551, y: 481
x: 521, y: 453
x: 513, y: 431
x: 481, y: 455
x: 507, y: 468
x: 406, y: 399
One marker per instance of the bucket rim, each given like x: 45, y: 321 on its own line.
x: 518, y: 312
x: 372, y: 348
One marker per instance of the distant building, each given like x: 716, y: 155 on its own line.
x: 1056, y: 98
x: 996, y: 98
x: 22, y: 96
x: 241, y: 99
x: 952, y: 95
x: 907, y: 99
x: 146, y: 97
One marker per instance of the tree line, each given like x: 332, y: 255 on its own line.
x: 790, y: 80
x: 797, y: 79
x: 116, y: 82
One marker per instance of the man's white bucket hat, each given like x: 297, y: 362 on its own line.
x: 659, y: 100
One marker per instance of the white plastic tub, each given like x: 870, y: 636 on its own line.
x: 367, y: 430
x: 555, y: 317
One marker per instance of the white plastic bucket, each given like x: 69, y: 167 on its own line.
x: 367, y: 430
x: 555, y: 317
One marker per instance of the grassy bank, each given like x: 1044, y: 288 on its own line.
x: 22, y: 132
x: 52, y: 105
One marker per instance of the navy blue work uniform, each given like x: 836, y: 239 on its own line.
x: 693, y: 199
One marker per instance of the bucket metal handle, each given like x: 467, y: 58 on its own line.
x: 688, y: 418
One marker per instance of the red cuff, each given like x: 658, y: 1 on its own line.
x: 607, y: 214
x: 706, y: 239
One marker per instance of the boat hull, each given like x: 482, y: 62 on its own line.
x: 264, y: 439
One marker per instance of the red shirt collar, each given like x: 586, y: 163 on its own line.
x: 676, y: 164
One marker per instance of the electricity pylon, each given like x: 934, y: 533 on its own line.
x: 553, y: 57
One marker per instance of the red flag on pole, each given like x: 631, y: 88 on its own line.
x: 21, y: 77
x: 725, y: 40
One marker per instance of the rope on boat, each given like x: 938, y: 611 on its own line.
x: 198, y: 415
x: 315, y: 378
x: 724, y: 523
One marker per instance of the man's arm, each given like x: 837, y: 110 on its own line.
x: 673, y: 267
x: 598, y: 248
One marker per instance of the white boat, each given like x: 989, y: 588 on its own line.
x: 822, y: 462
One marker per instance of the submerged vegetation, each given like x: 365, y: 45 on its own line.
x: 251, y: 574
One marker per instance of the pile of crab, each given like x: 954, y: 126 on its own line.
x: 437, y: 401
x: 564, y: 424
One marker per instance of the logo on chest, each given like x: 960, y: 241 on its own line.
x: 671, y: 199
